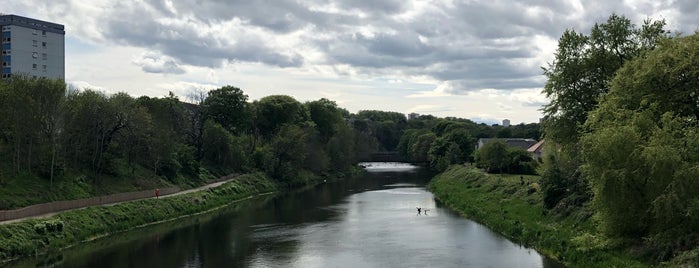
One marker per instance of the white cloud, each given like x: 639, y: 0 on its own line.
x: 154, y: 62
x: 467, y: 57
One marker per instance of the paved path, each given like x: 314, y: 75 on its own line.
x: 202, y: 188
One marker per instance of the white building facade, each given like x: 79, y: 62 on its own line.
x: 506, y: 123
x: 32, y: 47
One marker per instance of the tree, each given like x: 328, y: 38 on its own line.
x: 195, y: 114
x: 221, y: 149
x: 584, y: 66
x: 326, y: 116
x: 289, y: 152
x: 420, y: 147
x: 272, y: 112
x: 578, y: 77
x: 642, y: 151
x: 228, y: 107
x: 443, y: 153
x: 493, y: 156
x: 387, y: 127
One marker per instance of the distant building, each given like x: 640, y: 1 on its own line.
x: 512, y: 142
x: 412, y: 116
x: 536, y: 150
x: 32, y: 47
x: 506, y: 123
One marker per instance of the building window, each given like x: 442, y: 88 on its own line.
x: 35, y: 55
x: 43, y: 44
x: 43, y: 67
x: 43, y: 33
x: 44, y: 56
x: 34, y: 66
x: 35, y: 43
x: 35, y: 32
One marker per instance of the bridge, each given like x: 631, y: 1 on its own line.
x: 388, y: 156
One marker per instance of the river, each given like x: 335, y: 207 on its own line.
x: 370, y: 221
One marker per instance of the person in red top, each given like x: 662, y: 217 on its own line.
x: 157, y: 193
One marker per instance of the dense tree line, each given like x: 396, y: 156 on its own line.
x: 49, y: 131
x: 497, y: 156
x: 445, y: 141
x: 621, y: 131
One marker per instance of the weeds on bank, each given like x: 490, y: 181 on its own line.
x: 38, y: 236
x: 514, y: 208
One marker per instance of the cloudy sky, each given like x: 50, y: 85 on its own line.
x: 477, y: 59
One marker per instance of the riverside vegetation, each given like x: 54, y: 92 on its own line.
x: 39, y: 236
x: 620, y: 173
x: 619, y: 178
x: 513, y: 209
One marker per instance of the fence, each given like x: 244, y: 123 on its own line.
x: 57, y: 206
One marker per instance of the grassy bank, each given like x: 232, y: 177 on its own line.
x: 513, y: 209
x: 38, y: 236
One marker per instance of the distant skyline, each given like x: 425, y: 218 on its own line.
x: 471, y: 59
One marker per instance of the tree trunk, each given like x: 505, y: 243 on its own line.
x: 53, y: 161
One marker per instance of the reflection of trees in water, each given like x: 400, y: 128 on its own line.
x: 228, y: 237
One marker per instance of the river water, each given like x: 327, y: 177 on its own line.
x: 370, y: 221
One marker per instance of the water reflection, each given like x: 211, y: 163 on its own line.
x: 364, y: 222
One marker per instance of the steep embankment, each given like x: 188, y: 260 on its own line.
x: 514, y: 209
x: 69, y: 228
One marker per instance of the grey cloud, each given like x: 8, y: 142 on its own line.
x: 189, y: 45
x: 397, y: 45
x: 155, y: 63
x: 373, y: 6
x: 471, y: 44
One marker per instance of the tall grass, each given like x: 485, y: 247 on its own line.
x: 38, y: 236
x: 514, y: 209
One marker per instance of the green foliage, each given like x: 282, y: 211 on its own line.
x: 493, y: 156
x: 326, y: 116
x: 273, y: 112
x: 443, y: 153
x: 497, y: 156
x: 386, y: 127
x: 577, y: 79
x: 31, y: 237
x: 562, y: 185
x: 420, y: 148
x: 221, y: 149
x: 507, y: 207
x: 641, y: 151
x: 228, y: 107
x: 585, y: 65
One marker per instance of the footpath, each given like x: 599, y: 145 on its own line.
x: 46, y: 210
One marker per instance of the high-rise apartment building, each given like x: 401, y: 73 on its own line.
x: 32, y: 47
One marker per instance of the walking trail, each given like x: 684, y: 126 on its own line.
x: 202, y: 188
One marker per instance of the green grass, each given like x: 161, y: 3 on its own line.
x: 514, y: 210
x: 73, y: 227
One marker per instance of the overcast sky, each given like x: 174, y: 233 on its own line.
x: 477, y: 59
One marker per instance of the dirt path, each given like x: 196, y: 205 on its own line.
x: 202, y: 188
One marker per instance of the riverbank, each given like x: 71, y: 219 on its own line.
x: 513, y: 209
x: 64, y: 230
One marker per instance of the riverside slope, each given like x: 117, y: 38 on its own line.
x: 66, y: 229
x: 515, y: 210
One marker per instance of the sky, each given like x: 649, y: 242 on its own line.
x: 476, y: 59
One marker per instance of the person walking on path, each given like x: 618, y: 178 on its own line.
x: 157, y: 193
x: 418, y: 211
